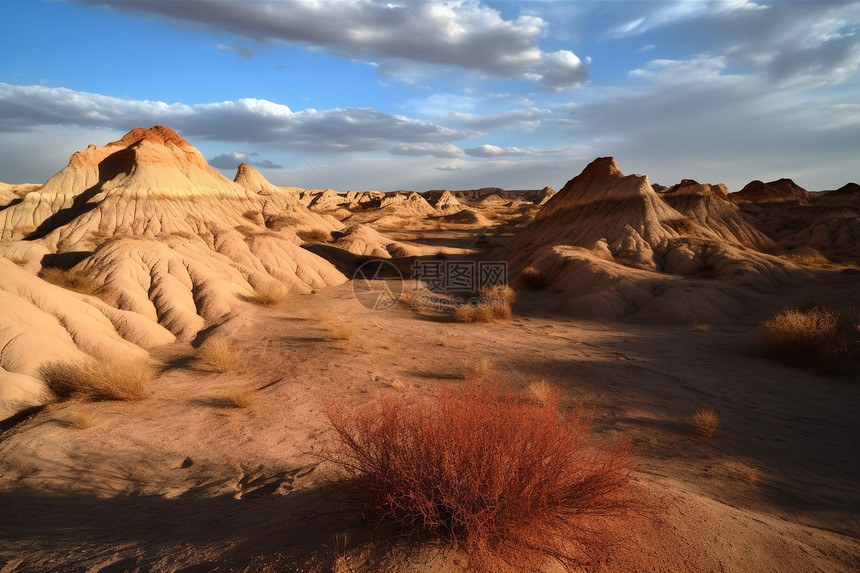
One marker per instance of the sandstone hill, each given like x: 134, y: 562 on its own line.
x: 166, y: 243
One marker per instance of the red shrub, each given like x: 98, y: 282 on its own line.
x: 507, y: 481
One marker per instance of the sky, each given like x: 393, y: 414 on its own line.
x: 394, y: 94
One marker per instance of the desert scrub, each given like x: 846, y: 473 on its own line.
x: 809, y: 335
x: 705, y: 422
x: 268, y: 294
x: 98, y: 380
x: 315, y: 236
x: 533, y: 279
x: 220, y: 353
x: 494, y: 303
x: 508, y: 482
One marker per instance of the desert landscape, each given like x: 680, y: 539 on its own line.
x: 188, y: 364
x: 438, y: 286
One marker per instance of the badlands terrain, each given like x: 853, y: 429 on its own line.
x: 642, y: 302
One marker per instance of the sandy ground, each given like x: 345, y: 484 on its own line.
x: 182, y: 482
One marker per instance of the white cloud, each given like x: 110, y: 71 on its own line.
x: 231, y: 161
x: 248, y: 120
x: 464, y: 33
x: 525, y: 119
x: 441, y: 150
x: 243, y: 52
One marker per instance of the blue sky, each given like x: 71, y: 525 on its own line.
x: 366, y: 94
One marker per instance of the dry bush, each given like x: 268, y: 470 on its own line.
x: 705, y: 422
x: 480, y: 369
x: 494, y: 303
x: 96, y: 381
x: 500, y: 292
x: 255, y: 217
x: 533, y: 279
x: 510, y: 483
x: 544, y: 393
x: 810, y: 335
x: 71, y: 280
x: 315, y: 236
x: 700, y: 327
x: 268, y: 294
x: 238, y: 398
x: 476, y: 313
x: 220, y: 353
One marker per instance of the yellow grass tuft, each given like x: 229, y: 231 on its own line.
x: 542, y: 392
x: 810, y: 335
x: 480, y: 369
x: 269, y: 293
x: 220, y: 353
x: 500, y: 292
x: 315, y: 236
x: 239, y: 398
x: 705, y: 422
x: 700, y: 327
x: 533, y: 279
x: 96, y: 381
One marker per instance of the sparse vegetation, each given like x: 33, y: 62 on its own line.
x: 97, y: 381
x: 473, y: 313
x: 480, y: 369
x: 254, y: 217
x: 705, y: 422
x: 533, y: 279
x: 544, y: 393
x: 810, y: 335
x: 74, y: 280
x: 268, y: 294
x: 238, y: 398
x: 700, y: 327
x: 494, y: 303
x: 220, y: 353
x: 508, y: 482
x: 315, y: 236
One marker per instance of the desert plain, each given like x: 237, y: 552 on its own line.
x: 247, y: 310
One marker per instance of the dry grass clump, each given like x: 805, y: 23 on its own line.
x: 96, y: 381
x: 71, y: 280
x: 480, y: 369
x: 501, y: 292
x: 508, y: 482
x: 315, y: 236
x: 238, y: 398
x: 533, y: 279
x: 544, y: 393
x: 473, y: 313
x: 268, y: 294
x: 810, y: 335
x: 700, y: 327
x: 220, y: 353
x: 494, y: 303
x: 705, y: 422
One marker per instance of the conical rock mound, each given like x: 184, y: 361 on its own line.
x: 708, y: 206
x: 602, y: 205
